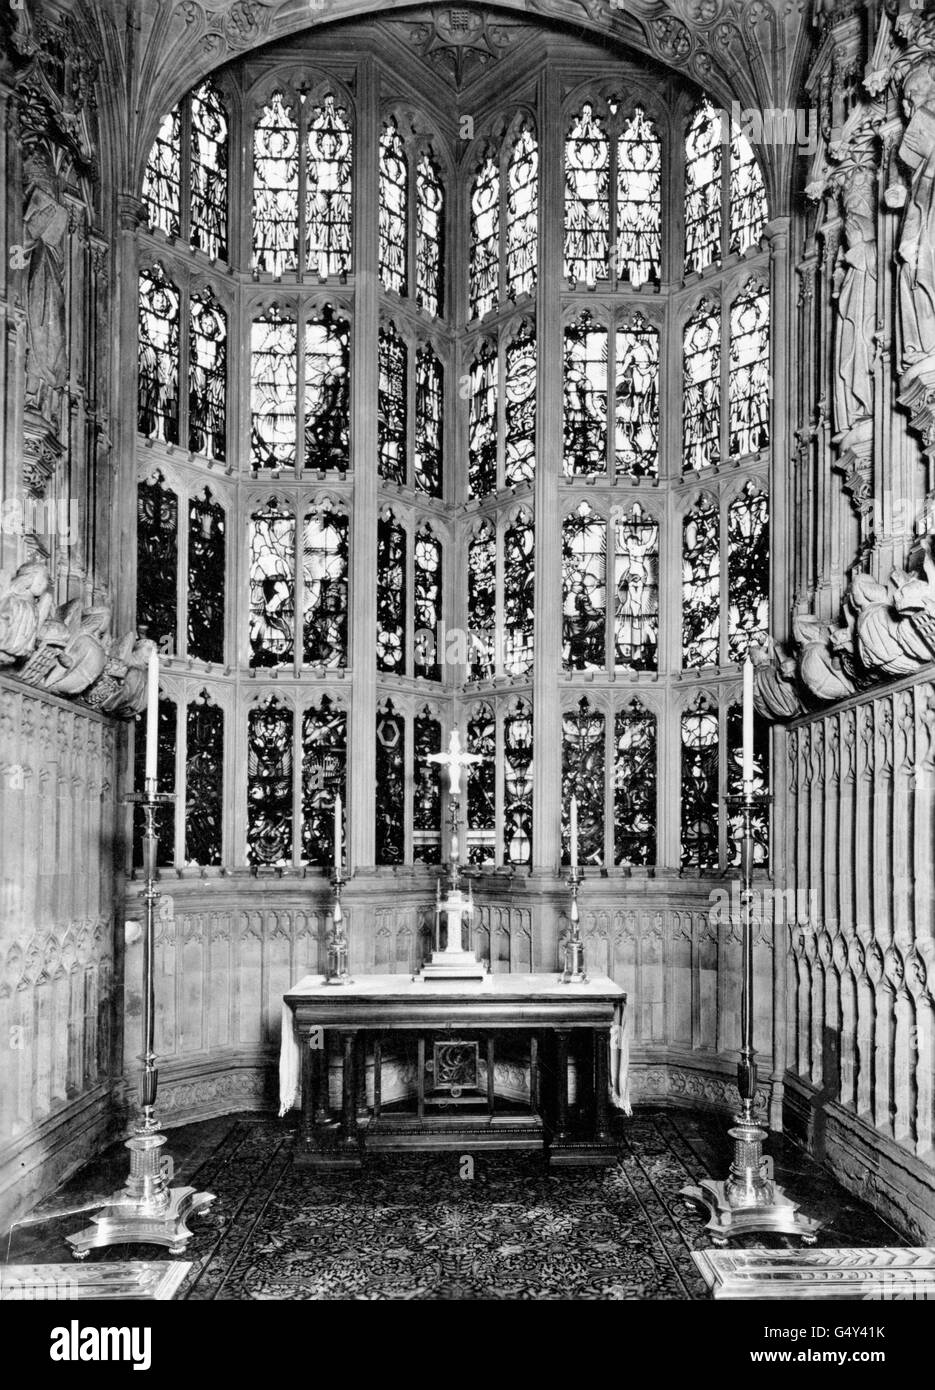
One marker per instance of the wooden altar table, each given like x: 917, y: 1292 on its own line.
x: 458, y: 1028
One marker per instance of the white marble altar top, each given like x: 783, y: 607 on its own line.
x: 491, y: 986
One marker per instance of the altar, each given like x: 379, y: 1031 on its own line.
x: 451, y: 1033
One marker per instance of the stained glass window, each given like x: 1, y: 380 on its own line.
x: 583, y: 779
x: 206, y: 577
x: 701, y: 402
x: 703, y: 189
x: 639, y: 202
x: 747, y: 571
x: 427, y: 453
x: 735, y: 785
x: 482, y: 602
x: 430, y: 236
x: 324, y: 776
x: 162, y: 177
x: 270, y: 725
x: 329, y: 190
x: 204, y: 781
x: 394, y: 201
x: 272, y: 586
x: 427, y: 601
x: 482, y: 786
x: 517, y: 783
x: 636, y: 399
x: 391, y: 595
x: 584, y: 591
x: 522, y: 214
x: 207, y: 377
x: 209, y: 172
x: 636, y: 586
x: 165, y: 782
x: 276, y: 188
x: 485, y: 239
x: 324, y: 577
x: 427, y: 794
x: 634, y: 785
x: 748, y: 389
x: 327, y: 391
x: 699, y: 779
x: 157, y: 558
x: 748, y: 211
x: 273, y: 391
x: 518, y: 606
x: 158, y: 415
x: 587, y: 199
x: 701, y: 585
x: 391, y: 786
x: 519, y: 392
x: 391, y: 406
x: 585, y: 424
x: 482, y: 423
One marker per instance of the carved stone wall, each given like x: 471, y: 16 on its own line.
x: 57, y: 779
x: 861, y: 954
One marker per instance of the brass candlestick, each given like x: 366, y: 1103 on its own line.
x: 147, y: 1210
x: 574, y: 972
x: 748, y: 1199
x: 337, y: 937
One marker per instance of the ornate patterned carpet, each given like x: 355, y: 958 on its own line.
x: 410, y: 1227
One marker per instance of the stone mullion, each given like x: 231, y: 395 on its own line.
x: 781, y: 377
x: 547, y: 756
x: 802, y: 577
x: 779, y: 847
x: 363, y: 588
x: 186, y: 692
x: 827, y: 532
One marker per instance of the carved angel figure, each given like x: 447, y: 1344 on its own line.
x: 128, y: 664
x: 819, y: 667
x: 85, y: 653
x: 25, y: 604
x: 878, y: 640
x: 774, y: 681
x: 914, y: 599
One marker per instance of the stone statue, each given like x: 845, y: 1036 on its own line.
x: 878, y: 644
x: 45, y: 223
x: 856, y: 289
x: 25, y: 604
x: 85, y: 654
x: 774, y: 682
x: 917, y: 237
x: 127, y: 669
x: 819, y: 667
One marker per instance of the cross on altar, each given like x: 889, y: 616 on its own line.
x: 455, y: 759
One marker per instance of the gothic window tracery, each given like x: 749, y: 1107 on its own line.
x: 430, y: 236
x: 394, y: 204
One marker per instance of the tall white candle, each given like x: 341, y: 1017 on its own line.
x: 152, y: 716
x: 747, y: 722
x: 573, y: 831
x: 337, y: 832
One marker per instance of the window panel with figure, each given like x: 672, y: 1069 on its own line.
x: 701, y: 399
x: 390, y: 811
x: 583, y: 779
x: 325, y: 563
x: 430, y: 236
x: 164, y: 817
x: 587, y: 199
x: 522, y: 213
x: 749, y: 380
x: 747, y: 571
x: 636, y: 399
x: 701, y: 585
x: 207, y: 555
x: 585, y: 396
x: 276, y: 188
x: 392, y: 376
x: 735, y: 787
x: 703, y: 144
x: 324, y: 777
x: 162, y: 178
x: 327, y: 391
x: 157, y: 558
x: 482, y: 786
x: 394, y: 204
x: 485, y: 239
x: 518, y: 594
x: 748, y: 210
x: 429, y: 406
x: 584, y: 590
x: 427, y: 605
x: 391, y: 595
x: 158, y: 391
x: 636, y: 589
x: 273, y: 386
x: 270, y: 734
x: 635, y: 779
x: 699, y: 782
x: 209, y: 172
x: 519, y: 395
x: 482, y: 422
x: 639, y: 202
x: 482, y: 602
x: 329, y: 189
x: 427, y: 790
x: 272, y: 586
x: 204, y: 782
x: 207, y: 377
x: 517, y: 784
